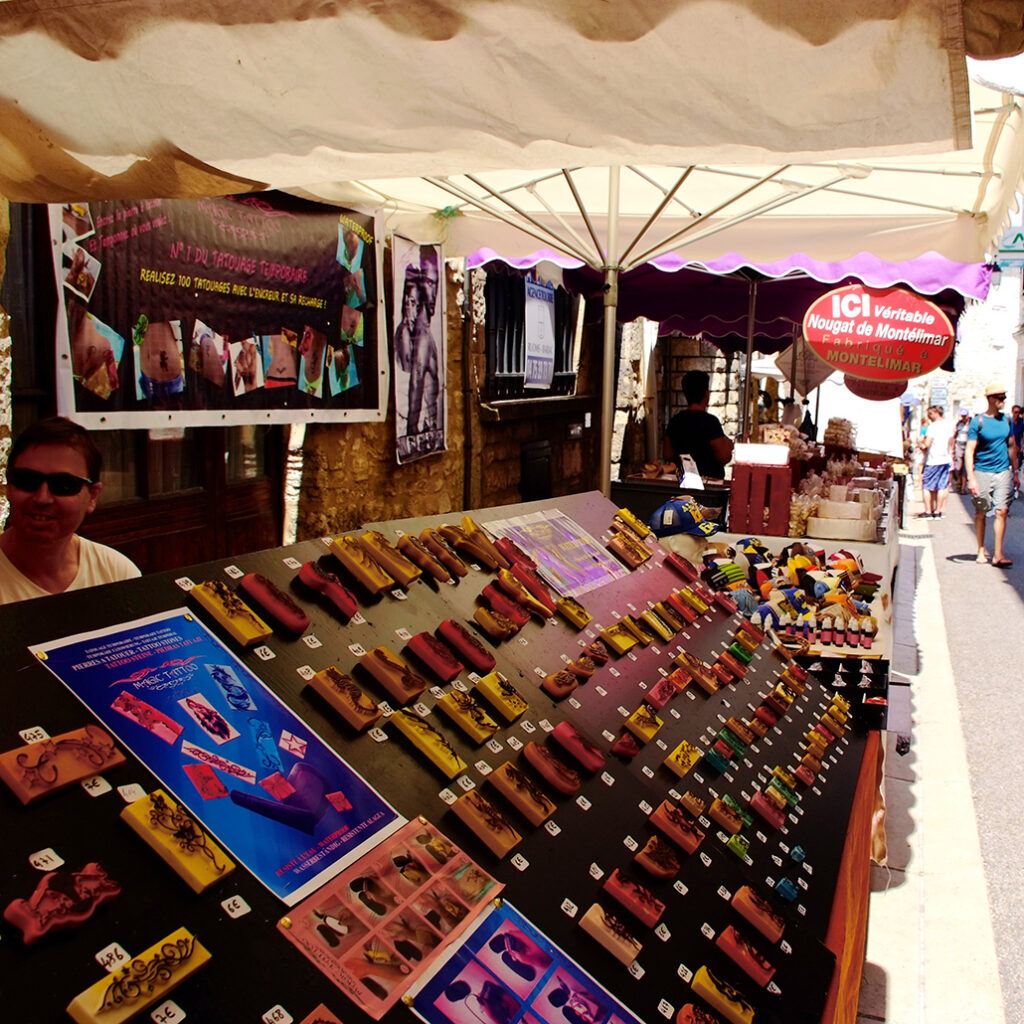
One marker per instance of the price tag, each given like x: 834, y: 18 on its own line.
x: 311, y: 642
x: 646, y: 807
x: 111, y: 957
x: 574, y: 703
x: 776, y: 860
x: 292, y: 563
x: 662, y: 671
x: 235, y: 906
x: 680, y: 888
x: 358, y: 620
x: 167, y: 1013
x: 786, y: 947
x: 131, y: 792
x: 552, y: 828
x: 815, y: 791
x: 649, y: 772
x: 385, y: 709
x: 483, y: 768
x: 184, y: 583
x: 773, y: 988
x: 545, y: 725
x: 705, y: 860
x: 601, y: 691
x: 233, y: 571
x: 527, y: 726
x: 656, y: 650
x: 630, y: 844
x: 306, y: 672
x: 569, y: 908
x: 466, y: 783
x: 609, y: 736
x: 801, y: 909
x: 596, y: 872
x: 539, y: 672
x: 45, y: 860
x: 674, y: 713
x: 666, y: 1009
x: 403, y: 634
x: 357, y: 649
x: 458, y: 684
x: 421, y: 709
x: 515, y: 743
x: 636, y: 970
x: 608, y: 780
x: 519, y: 862
x: 378, y: 735
x: 767, y: 742
x: 96, y: 785
x: 685, y: 973
x: 448, y: 796
x: 35, y: 734
x: 807, y: 867
x: 802, y: 882
x: 264, y: 653
x: 613, y: 671
x: 494, y: 746
x: 707, y: 931
x: 631, y: 656
x: 583, y: 803
x: 277, y: 1015
x: 663, y: 933
x: 399, y: 595
x: 623, y: 711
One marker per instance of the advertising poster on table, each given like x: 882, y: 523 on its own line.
x: 247, y: 768
x: 381, y: 924
x: 507, y: 972
x: 237, y: 309
x: 421, y: 349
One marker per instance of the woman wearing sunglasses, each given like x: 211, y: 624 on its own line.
x: 53, y: 483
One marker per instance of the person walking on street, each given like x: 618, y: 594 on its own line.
x: 937, y: 445
x: 990, y: 459
x: 1017, y: 426
x: 963, y: 425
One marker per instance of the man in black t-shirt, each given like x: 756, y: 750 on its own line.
x: 696, y: 432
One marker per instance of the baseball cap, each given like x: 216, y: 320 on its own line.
x: 995, y: 389
x: 681, y: 515
x: 964, y: 411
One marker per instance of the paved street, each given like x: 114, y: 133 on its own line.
x: 946, y: 938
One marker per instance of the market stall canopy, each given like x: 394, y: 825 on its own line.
x: 134, y: 99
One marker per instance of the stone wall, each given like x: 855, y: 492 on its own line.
x: 680, y: 355
x: 350, y: 476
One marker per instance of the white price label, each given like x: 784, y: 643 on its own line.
x: 649, y: 772
x: 630, y: 844
x: 608, y: 780
x: 515, y: 743
x: 636, y: 970
x: 264, y: 653
x: 96, y: 785
x: 546, y: 725
x: 292, y: 563
x: 111, y: 957
x: 277, y: 1015
x: 680, y: 888
x: 596, y: 872
x: 35, y: 734
x: 663, y: 933
x: 613, y: 671
x: 358, y: 620
x: 601, y: 691
x: 646, y: 807
x: 45, y: 860
x: 357, y: 649
x: 685, y: 973
x: 311, y: 642
x: 569, y: 908
x: 666, y: 1009
x: 184, y: 583
x: 519, y: 862
x: 448, y: 796
x: 167, y: 1013
x: 131, y: 792
x: 378, y: 735
x: 466, y: 783
x: 305, y: 672
x: 235, y: 906
x: 233, y: 571
x: 483, y: 768
x: 707, y: 931
x: 399, y: 595
x: 494, y: 746
x: 583, y: 803
x: 527, y: 726
x: 552, y: 828
x: 403, y: 634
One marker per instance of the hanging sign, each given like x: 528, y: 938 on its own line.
x: 875, y: 390
x: 878, y: 333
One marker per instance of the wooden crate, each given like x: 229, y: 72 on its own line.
x: 755, y: 491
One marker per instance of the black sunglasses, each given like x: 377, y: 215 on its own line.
x: 61, y: 485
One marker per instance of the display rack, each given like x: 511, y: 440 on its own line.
x: 552, y: 876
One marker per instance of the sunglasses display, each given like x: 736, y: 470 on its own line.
x: 61, y: 485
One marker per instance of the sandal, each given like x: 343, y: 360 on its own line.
x: 982, y: 558
x: 1003, y: 563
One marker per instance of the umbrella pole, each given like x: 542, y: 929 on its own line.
x: 611, y: 300
x: 748, y: 385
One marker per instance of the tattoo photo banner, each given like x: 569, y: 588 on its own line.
x: 238, y: 309
x: 248, y: 769
x: 421, y: 350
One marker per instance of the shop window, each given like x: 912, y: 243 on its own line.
x: 505, y: 298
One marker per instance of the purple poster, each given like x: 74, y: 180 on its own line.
x: 237, y: 309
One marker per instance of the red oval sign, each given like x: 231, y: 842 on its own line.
x: 875, y: 390
x: 878, y: 333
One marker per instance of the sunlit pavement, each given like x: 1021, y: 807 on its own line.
x: 945, y: 939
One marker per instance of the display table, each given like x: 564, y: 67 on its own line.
x: 643, y: 496
x: 554, y: 872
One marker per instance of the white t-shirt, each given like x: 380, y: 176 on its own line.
x: 96, y: 564
x: 938, y: 449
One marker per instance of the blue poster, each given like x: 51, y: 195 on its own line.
x: 246, y: 767
x: 509, y: 972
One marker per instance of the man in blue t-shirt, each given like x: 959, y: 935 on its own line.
x: 991, y: 463
x: 697, y: 432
